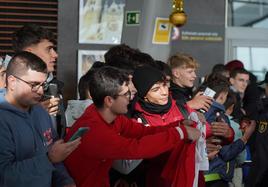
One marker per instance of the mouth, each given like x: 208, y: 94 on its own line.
x: 164, y: 100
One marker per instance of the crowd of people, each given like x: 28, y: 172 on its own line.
x: 148, y: 123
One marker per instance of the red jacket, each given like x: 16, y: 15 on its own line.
x: 161, y: 120
x: 184, y: 152
x: 103, y: 143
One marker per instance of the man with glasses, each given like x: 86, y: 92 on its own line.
x: 112, y: 135
x: 29, y: 156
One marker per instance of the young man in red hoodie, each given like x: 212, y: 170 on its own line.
x: 112, y: 135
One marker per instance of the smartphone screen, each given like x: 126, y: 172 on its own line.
x: 209, y: 92
x: 79, y: 133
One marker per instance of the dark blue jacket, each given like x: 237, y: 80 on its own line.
x: 224, y: 163
x: 25, y: 138
x: 210, y: 115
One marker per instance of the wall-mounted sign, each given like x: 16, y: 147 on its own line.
x: 132, y: 18
x: 162, y: 30
x: 198, y: 32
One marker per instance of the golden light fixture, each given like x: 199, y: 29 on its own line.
x: 178, y: 17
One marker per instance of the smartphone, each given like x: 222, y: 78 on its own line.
x: 209, y: 92
x: 79, y: 133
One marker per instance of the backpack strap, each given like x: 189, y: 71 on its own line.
x: 138, y: 115
x: 183, y: 110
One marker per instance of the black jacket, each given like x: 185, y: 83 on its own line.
x: 181, y: 95
x: 259, y: 171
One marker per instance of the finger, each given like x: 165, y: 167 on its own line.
x: 60, y: 141
x: 199, y: 94
x: 45, y: 102
x: 74, y: 143
x: 212, y: 146
x: 206, y: 108
x: 213, y: 153
x: 53, y: 108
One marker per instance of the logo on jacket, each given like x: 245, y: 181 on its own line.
x: 262, y: 126
x: 48, y: 136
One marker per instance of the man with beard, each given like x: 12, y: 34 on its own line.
x: 29, y: 156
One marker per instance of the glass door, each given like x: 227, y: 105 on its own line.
x: 249, y: 45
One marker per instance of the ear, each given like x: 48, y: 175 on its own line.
x: 220, y: 98
x: 88, y: 95
x: 108, y: 101
x: 231, y: 80
x: 28, y: 49
x: 11, y: 82
x: 176, y: 72
x: 230, y: 109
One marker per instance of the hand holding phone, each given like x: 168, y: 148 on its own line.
x: 79, y: 133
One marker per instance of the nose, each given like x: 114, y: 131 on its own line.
x: 194, y: 75
x: 40, y: 90
x: 54, y: 54
x: 164, y: 90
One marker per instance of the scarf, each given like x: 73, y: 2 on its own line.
x: 155, y: 108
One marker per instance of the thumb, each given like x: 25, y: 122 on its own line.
x: 199, y: 93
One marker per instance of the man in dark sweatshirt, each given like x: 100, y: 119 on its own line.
x: 29, y: 157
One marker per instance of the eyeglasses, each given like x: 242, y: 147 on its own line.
x: 127, y: 95
x: 34, y: 86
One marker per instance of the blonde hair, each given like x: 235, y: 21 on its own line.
x: 183, y: 61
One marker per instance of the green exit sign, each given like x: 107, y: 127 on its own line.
x: 132, y: 18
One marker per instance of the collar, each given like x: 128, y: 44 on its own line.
x: 218, y: 106
x: 50, y: 77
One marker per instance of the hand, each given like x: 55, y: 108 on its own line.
x: 201, y: 117
x: 248, y: 131
x: 61, y: 150
x: 212, y: 155
x: 69, y: 185
x: 187, y: 122
x: 212, y: 144
x: 193, y: 133
x: 200, y: 101
x: 51, y: 105
x: 221, y: 129
x: 244, y: 123
x: 211, y: 147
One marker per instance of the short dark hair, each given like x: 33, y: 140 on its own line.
x: 31, y: 34
x: 122, y: 50
x: 84, y: 82
x: 219, y: 68
x: 217, y: 83
x: 122, y: 63
x: 236, y: 71
x: 163, y: 67
x: 106, y: 81
x: 23, y: 61
x: 143, y: 59
x: 230, y: 100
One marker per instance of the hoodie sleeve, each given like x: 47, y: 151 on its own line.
x: 16, y: 172
x: 229, y: 152
x: 60, y: 176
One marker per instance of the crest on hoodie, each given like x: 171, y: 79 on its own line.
x: 262, y: 126
x: 48, y: 136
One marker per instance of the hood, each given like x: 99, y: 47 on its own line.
x: 5, y: 106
